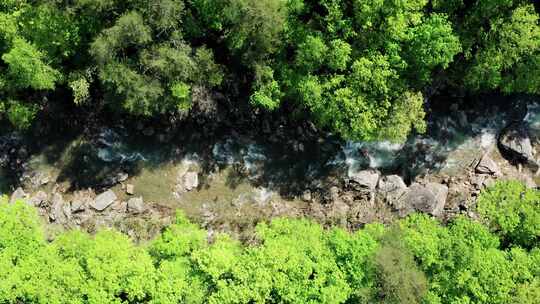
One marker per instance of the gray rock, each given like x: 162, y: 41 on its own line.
x: 122, y: 177
x: 115, y: 179
x: 118, y: 207
x: 59, y: 213
x: 306, y: 196
x: 430, y: 198
x: 135, y: 205
x: 130, y: 189
x: 77, y: 206
x: 81, y: 201
x: 391, y: 183
x: 39, y: 199
x: 103, y: 200
x: 515, y: 141
x: 19, y: 194
x: 366, y: 178
x: 148, y: 131
x: 191, y: 181
x: 392, y: 188
x: 486, y: 165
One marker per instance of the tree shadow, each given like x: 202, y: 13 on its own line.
x: 293, y: 162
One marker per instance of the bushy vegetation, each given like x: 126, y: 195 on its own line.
x: 357, y: 68
x: 417, y: 260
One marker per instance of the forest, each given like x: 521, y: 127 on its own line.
x: 345, y: 72
x: 416, y: 260
x: 361, y: 69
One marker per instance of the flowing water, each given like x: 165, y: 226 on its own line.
x: 233, y: 170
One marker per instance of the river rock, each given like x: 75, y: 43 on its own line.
x: 122, y: 177
x: 135, y: 205
x: 104, y: 200
x: 391, y: 183
x: 148, y: 131
x: 130, y: 189
x: 39, y: 199
x: 366, y: 178
x: 392, y: 188
x: 515, y: 141
x: 486, y: 165
x: 19, y: 194
x: 115, y: 179
x: 81, y: 200
x: 59, y: 213
x: 430, y: 198
x: 306, y: 196
x: 191, y: 181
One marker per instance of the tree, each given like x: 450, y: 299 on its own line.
x: 513, y: 212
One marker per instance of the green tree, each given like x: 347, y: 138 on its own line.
x: 513, y: 212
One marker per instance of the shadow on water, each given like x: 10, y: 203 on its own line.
x: 286, y: 166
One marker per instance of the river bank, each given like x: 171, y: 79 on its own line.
x: 228, y: 177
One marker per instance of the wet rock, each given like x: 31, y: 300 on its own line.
x: 266, y: 127
x: 136, y: 205
x: 430, y: 198
x: 104, y: 200
x: 486, y: 165
x: 118, y: 178
x: 148, y: 131
x: 515, y: 142
x: 462, y: 119
x: 19, y: 194
x: 366, y: 178
x: 130, y: 189
x: 121, y: 177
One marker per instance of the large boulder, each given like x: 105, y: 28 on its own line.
x: 486, y: 165
x: 392, y: 188
x: 429, y: 198
x: 136, y: 205
x: 515, y: 143
x: 103, y: 200
x: 191, y: 181
x: 366, y: 178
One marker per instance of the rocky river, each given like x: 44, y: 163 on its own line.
x: 134, y: 179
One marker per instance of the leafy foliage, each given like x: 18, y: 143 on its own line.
x: 512, y: 211
x: 357, y: 68
x: 417, y: 260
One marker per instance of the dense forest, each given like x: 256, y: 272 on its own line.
x: 361, y: 69
x: 416, y: 260
x: 350, y: 72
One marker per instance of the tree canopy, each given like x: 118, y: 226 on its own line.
x: 357, y: 68
x: 415, y: 260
